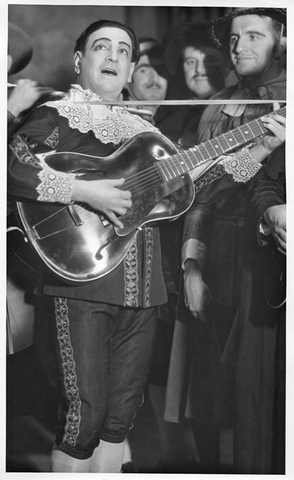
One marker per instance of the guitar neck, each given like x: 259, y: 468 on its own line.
x: 191, y: 158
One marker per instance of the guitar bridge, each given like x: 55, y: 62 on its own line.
x: 104, y: 221
x: 74, y: 215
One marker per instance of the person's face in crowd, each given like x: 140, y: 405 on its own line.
x: 251, y: 44
x: 146, y: 83
x: 105, y: 66
x: 200, y: 66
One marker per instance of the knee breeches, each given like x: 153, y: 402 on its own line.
x: 105, y: 353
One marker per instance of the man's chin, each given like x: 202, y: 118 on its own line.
x: 246, y: 72
x: 202, y: 93
x: 245, y: 67
x: 153, y: 98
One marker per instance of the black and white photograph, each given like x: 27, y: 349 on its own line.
x: 144, y: 209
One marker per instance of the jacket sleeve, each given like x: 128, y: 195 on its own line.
x: 231, y: 169
x: 197, y: 233
x: 268, y: 190
x: 29, y: 177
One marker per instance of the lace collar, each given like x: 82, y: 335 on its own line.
x: 110, y: 124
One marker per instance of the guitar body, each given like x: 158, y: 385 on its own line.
x: 79, y: 244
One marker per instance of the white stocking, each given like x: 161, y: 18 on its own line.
x: 63, y: 463
x: 107, y: 458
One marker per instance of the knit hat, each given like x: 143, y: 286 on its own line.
x: 220, y: 27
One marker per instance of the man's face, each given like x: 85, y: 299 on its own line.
x: 200, y: 66
x: 251, y: 44
x: 106, y: 65
x: 146, y: 83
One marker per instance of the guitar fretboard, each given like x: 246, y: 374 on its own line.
x: 189, y: 159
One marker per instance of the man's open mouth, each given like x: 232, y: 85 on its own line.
x: 109, y: 71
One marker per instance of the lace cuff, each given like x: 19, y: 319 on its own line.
x: 55, y: 186
x: 242, y: 166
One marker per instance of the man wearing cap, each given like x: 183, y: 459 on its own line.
x: 214, y: 232
x: 149, y: 80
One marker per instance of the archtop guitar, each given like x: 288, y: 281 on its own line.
x: 79, y: 244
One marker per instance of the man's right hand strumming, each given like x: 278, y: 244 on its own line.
x: 105, y: 196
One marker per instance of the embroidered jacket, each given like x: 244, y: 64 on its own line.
x: 74, y: 125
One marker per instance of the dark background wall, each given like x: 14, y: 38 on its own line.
x: 55, y: 28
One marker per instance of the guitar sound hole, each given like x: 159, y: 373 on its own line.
x: 159, y: 152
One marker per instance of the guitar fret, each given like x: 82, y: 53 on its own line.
x: 257, y: 128
x: 189, y: 165
x: 174, y: 167
x: 164, y: 168
x: 230, y: 140
x: 217, y: 145
x: 238, y: 137
x: 203, y: 151
x: 251, y: 131
x: 197, y: 156
x: 227, y: 145
x: 171, y: 168
x: 181, y: 165
x: 211, y: 150
x: 246, y: 132
x: 240, y: 131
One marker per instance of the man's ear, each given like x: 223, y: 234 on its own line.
x: 283, y: 45
x: 127, y: 87
x: 77, y: 61
x: 132, y: 68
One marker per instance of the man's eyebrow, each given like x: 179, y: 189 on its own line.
x: 249, y: 32
x: 106, y: 39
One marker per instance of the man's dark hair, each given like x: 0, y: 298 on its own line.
x: 82, y: 40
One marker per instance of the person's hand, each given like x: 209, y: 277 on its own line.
x: 276, y: 124
x: 104, y: 196
x: 275, y: 218
x: 24, y: 95
x: 196, y: 291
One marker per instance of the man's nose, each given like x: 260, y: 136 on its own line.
x: 154, y: 75
x: 112, y: 55
x: 240, y: 45
x: 200, y: 67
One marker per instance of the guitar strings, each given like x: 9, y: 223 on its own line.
x: 141, y: 179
